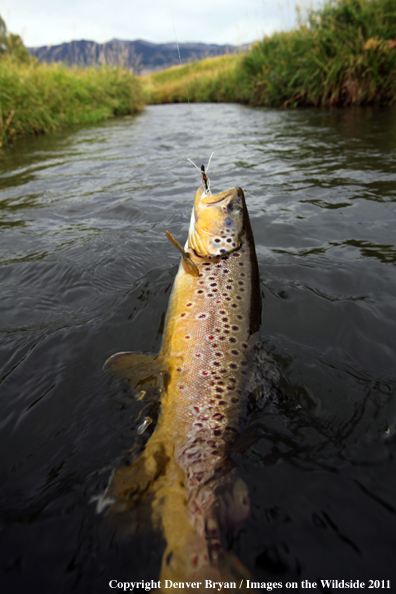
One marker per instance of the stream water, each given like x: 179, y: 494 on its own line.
x: 86, y: 271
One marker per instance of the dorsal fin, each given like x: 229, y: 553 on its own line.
x: 140, y: 371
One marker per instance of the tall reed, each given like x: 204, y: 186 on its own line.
x: 345, y: 54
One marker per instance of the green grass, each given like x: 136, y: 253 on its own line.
x: 37, y: 98
x: 212, y: 79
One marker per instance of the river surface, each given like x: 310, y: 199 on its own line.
x: 86, y: 271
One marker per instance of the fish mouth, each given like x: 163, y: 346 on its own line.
x: 216, y: 223
x: 210, y: 199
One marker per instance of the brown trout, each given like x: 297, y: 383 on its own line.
x: 203, y: 371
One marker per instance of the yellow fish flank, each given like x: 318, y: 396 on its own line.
x: 184, y: 470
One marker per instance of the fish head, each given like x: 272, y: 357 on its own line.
x: 216, y: 226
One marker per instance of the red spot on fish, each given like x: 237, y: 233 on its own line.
x: 181, y: 387
x: 189, y: 304
x: 202, y: 316
x: 218, y: 301
x: 204, y: 373
x: 178, y: 369
x: 182, y: 315
x: 197, y: 354
x: 194, y: 561
x: 188, y: 336
x: 211, y: 337
x: 196, y: 408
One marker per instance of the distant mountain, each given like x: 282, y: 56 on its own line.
x: 140, y: 56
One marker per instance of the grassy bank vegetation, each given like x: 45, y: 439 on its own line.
x: 345, y: 53
x: 38, y: 98
x: 212, y: 79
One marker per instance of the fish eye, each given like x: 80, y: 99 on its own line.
x: 234, y: 208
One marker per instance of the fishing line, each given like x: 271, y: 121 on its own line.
x: 184, y: 78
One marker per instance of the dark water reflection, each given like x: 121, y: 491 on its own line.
x: 86, y: 271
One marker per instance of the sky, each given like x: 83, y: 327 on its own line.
x: 44, y: 22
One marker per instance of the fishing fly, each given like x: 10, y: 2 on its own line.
x: 205, y: 179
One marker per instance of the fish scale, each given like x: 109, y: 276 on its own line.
x: 214, y: 310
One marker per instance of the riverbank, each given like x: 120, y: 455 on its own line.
x: 344, y: 54
x: 37, y: 98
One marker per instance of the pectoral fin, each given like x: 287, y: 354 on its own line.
x: 191, y: 267
x: 140, y: 371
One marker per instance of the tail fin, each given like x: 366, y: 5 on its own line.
x: 195, y: 552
